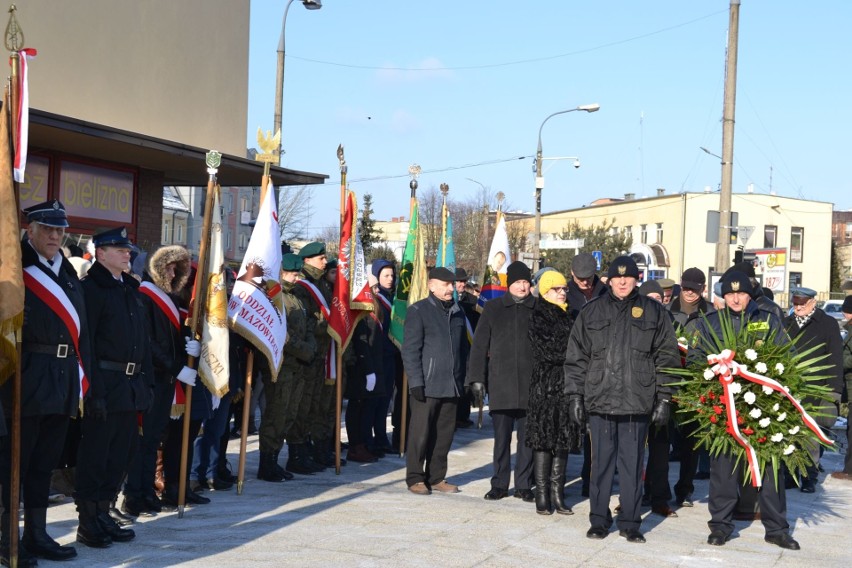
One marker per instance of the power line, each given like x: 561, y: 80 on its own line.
x: 511, y: 63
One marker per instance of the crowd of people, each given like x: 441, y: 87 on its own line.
x: 568, y: 364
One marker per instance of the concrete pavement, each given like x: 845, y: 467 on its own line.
x: 366, y: 517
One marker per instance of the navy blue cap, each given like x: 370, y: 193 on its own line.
x: 803, y: 292
x: 735, y: 281
x: 113, y: 237
x: 50, y: 213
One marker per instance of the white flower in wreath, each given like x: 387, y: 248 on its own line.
x: 768, y: 390
x: 681, y: 340
x: 755, y: 413
x: 776, y: 407
x: 765, y: 421
x: 782, y: 417
x: 789, y: 450
x: 793, y: 431
x: 750, y: 397
x: 736, y: 387
x: 777, y: 437
x: 779, y: 368
x: 708, y: 374
x: 787, y: 389
x: 751, y: 354
x: 760, y: 367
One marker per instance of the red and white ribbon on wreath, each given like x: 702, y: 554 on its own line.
x: 724, y: 366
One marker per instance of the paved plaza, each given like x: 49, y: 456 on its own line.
x: 365, y: 517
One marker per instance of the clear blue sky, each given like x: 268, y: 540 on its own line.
x: 497, y: 68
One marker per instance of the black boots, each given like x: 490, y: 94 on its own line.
x: 89, y: 531
x: 557, y: 482
x: 109, y: 526
x: 542, y: 465
x: 266, y: 469
x: 25, y: 559
x: 300, y: 462
x: 278, y: 469
x: 38, y: 542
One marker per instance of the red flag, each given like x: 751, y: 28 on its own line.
x: 352, y: 295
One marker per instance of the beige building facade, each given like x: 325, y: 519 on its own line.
x: 791, y: 237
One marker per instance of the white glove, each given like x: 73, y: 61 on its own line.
x: 215, y: 402
x: 187, y: 376
x: 193, y: 347
x: 371, y: 382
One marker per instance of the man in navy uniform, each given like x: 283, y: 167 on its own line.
x: 122, y: 382
x: 55, y: 353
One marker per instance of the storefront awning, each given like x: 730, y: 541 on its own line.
x: 181, y: 164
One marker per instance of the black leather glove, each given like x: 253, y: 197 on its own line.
x: 419, y: 393
x: 576, y: 411
x: 662, y: 413
x: 477, y: 393
x: 96, y: 408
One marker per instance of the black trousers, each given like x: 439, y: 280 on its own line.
x: 430, y: 436
x: 172, y: 450
x: 617, y: 440
x: 359, y: 413
x: 688, y: 461
x: 505, y: 422
x: 105, y: 450
x: 141, y: 473
x: 725, y: 486
x: 42, y: 441
x: 657, y: 470
x: 463, y: 408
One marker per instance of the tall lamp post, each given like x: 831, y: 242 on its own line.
x: 279, y: 78
x: 539, y: 181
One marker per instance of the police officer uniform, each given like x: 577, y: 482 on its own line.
x: 122, y: 380
x: 55, y: 354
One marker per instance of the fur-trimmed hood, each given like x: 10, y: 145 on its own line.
x: 161, y: 258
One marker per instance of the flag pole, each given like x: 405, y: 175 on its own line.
x: 213, y: 159
x: 14, y: 42
x: 404, y: 414
x: 339, y: 363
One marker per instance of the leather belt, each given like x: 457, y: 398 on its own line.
x: 128, y: 369
x: 60, y: 350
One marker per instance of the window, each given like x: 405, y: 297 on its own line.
x: 848, y: 230
x: 659, y: 232
x: 243, y: 241
x: 244, y: 203
x: 628, y: 231
x: 795, y: 279
x: 770, y: 236
x: 179, y: 233
x: 228, y: 244
x: 797, y: 243
x: 644, y: 234
x: 166, y: 230
x: 615, y: 230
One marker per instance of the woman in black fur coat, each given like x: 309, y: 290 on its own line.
x: 549, y: 431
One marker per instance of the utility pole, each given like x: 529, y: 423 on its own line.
x: 723, y: 246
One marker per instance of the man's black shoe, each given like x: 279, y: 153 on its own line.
x: 702, y: 475
x: 195, y: 498
x: 632, y: 535
x: 496, y: 494
x: 526, y: 494
x: 717, y: 538
x: 152, y: 503
x: 597, y: 533
x: 783, y: 540
x: 807, y: 485
x: 134, y: 506
x: 217, y: 484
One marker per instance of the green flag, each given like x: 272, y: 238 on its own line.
x: 412, y: 277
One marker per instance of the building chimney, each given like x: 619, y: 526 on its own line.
x: 661, y: 191
x: 708, y: 189
x: 629, y: 196
x: 750, y: 188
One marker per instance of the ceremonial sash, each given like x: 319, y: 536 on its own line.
x: 49, y: 292
x: 162, y: 301
x: 331, y: 356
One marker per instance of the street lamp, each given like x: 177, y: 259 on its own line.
x: 279, y: 79
x: 539, y: 181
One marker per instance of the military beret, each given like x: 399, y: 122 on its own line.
x: 735, y: 281
x: 315, y: 248
x: 442, y: 274
x: 50, y: 213
x: 113, y: 237
x: 291, y: 262
x: 623, y: 266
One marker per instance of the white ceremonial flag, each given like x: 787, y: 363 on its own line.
x: 256, y: 305
x: 213, y: 366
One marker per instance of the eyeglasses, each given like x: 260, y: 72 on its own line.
x: 560, y: 289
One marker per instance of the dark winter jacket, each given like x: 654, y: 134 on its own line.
x: 681, y: 318
x: 822, y: 330
x: 576, y: 299
x: 617, y: 353
x: 300, y: 350
x: 50, y: 384
x: 752, y: 314
x: 435, y: 348
x: 366, y: 353
x: 548, y: 426
x: 847, y: 355
x: 119, y: 334
x: 501, y: 355
x: 390, y: 352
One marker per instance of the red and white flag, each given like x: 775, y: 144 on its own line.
x: 22, y: 134
x: 214, y: 363
x: 255, y: 309
x: 352, y: 297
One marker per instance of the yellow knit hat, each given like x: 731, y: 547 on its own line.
x: 550, y: 279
